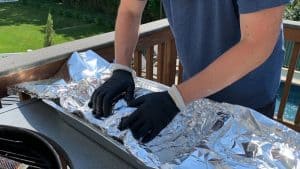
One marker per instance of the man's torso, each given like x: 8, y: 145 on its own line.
x: 205, y: 29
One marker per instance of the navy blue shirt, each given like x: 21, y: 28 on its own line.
x: 205, y: 29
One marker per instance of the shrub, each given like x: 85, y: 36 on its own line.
x: 98, y: 20
x: 24, y: 2
x: 61, y: 12
x: 68, y: 13
x: 49, y: 32
x: 86, y: 18
x: 77, y: 15
x: 292, y: 11
x: 110, y: 7
x: 152, y: 11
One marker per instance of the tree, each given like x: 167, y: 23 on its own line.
x: 49, y: 32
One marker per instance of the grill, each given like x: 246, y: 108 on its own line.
x: 25, y: 149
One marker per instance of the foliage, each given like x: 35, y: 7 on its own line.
x: 94, y: 11
x: 49, y: 32
x: 22, y: 22
x: 84, y: 14
x: 292, y: 11
x: 153, y: 11
x: 22, y: 27
x: 109, y: 8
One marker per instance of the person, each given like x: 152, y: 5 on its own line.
x: 231, y: 51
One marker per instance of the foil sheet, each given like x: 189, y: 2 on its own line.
x: 206, y: 135
x: 86, y: 64
x: 44, y: 89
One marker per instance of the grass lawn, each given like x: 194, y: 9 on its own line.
x: 22, y: 28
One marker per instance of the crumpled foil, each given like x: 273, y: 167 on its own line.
x: 206, y: 135
x: 44, y: 89
x: 87, y: 64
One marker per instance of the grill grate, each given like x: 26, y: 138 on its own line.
x: 18, y: 151
x: 10, y: 164
x: 30, y: 150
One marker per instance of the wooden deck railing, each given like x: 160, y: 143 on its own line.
x: 156, y: 44
x: 292, y: 36
x: 159, y: 52
x: 155, y: 58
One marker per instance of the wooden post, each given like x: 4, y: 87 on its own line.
x: 180, y: 73
x: 138, y: 62
x: 160, y: 61
x: 288, y: 82
x: 297, y: 118
x: 149, y: 63
x: 170, y: 63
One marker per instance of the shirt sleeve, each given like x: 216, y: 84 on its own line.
x: 248, y: 6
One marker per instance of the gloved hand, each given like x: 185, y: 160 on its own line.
x: 154, y: 112
x: 120, y: 84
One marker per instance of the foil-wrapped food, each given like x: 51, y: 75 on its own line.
x: 206, y: 135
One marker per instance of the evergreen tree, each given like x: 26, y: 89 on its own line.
x: 49, y: 32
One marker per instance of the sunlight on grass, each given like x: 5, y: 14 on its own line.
x: 23, y: 37
x: 22, y: 27
x: 20, y: 38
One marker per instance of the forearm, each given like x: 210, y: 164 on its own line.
x: 255, y: 46
x: 228, y: 68
x: 126, y: 34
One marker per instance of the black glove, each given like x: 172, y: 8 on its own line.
x: 154, y: 112
x: 121, y: 84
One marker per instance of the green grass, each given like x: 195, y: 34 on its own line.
x: 19, y: 38
x: 22, y: 27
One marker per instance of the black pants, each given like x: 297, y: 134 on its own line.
x: 268, y: 110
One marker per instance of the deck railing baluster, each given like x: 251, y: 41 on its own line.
x: 137, y: 65
x: 149, y: 63
x: 170, y: 63
x: 297, y: 118
x: 180, y: 73
x: 160, y: 62
x: 288, y: 82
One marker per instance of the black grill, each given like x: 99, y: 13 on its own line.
x: 31, y: 149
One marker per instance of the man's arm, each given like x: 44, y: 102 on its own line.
x: 121, y: 82
x: 259, y: 34
x: 127, y: 27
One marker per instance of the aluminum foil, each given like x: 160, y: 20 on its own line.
x: 206, y: 135
x: 44, y: 89
x: 86, y: 64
